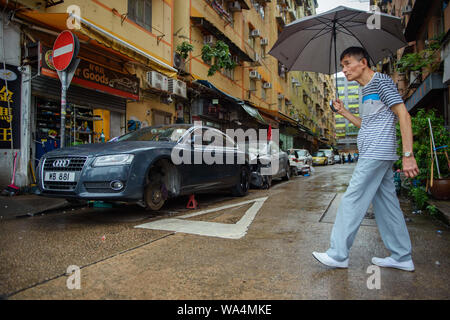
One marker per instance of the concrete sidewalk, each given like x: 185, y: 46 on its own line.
x: 28, y: 205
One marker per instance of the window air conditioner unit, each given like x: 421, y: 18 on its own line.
x: 253, y: 74
x: 235, y: 6
x: 280, y: 96
x: 264, y: 41
x: 257, y: 57
x: 157, y: 81
x: 255, y: 33
x: 209, y: 39
x: 177, y: 87
x: 267, y: 85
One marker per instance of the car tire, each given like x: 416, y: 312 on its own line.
x: 242, y: 187
x: 288, y: 174
x: 268, y: 182
x: 153, y: 196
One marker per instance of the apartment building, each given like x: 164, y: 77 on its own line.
x: 346, y: 132
x: 426, y: 25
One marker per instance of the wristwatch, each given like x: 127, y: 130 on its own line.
x: 407, y: 154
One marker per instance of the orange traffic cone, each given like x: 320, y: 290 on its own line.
x: 192, y: 203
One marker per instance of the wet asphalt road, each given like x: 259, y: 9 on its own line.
x: 271, y: 261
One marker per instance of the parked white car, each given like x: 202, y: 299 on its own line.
x: 337, y: 158
x: 300, y: 158
x: 329, y: 153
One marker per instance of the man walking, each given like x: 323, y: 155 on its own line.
x: 372, y: 180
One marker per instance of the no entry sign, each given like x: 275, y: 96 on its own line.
x: 65, y: 49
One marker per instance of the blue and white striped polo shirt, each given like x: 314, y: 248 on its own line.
x: 377, y: 137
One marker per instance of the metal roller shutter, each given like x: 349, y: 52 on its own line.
x: 51, y: 88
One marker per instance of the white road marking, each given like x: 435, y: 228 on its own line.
x: 210, y: 229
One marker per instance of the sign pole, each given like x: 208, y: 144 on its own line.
x: 65, y: 78
x: 65, y: 61
x: 64, y: 87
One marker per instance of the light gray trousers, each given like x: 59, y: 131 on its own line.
x: 372, y: 182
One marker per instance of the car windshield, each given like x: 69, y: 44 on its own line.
x: 318, y: 154
x: 257, y: 147
x: 327, y: 152
x: 301, y: 153
x: 164, y: 133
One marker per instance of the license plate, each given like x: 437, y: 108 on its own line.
x: 60, y: 176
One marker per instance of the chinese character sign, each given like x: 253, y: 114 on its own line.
x: 9, y: 118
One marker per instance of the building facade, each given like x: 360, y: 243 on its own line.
x: 346, y: 132
x: 426, y: 26
x: 132, y: 74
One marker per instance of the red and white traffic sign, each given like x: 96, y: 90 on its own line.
x: 65, y: 49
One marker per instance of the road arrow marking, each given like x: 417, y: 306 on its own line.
x: 210, y: 229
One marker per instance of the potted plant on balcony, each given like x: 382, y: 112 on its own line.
x: 413, y: 64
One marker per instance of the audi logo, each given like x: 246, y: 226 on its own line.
x: 62, y: 163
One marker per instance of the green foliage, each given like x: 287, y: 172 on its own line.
x: 218, y: 56
x: 420, y: 196
x: 421, y: 146
x: 432, y: 210
x: 424, y: 59
x: 184, y: 48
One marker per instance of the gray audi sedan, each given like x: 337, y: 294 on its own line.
x: 147, y: 166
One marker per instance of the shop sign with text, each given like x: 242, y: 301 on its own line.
x: 10, y: 91
x: 94, y: 76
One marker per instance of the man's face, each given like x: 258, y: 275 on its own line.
x: 352, y: 67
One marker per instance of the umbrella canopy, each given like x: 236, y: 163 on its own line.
x: 314, y: 43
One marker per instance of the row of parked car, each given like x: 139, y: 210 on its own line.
x: 153, y: 164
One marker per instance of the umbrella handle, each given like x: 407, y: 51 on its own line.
x: 332, y: 107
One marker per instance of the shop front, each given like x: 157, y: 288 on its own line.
x: 97, y: 101
x: 218, y: 109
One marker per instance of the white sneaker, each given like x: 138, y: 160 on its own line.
x: 391, y: 263
x: 325, y: 259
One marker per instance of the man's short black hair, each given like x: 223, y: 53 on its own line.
x: 356, y: 52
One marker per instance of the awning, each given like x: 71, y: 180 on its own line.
x: 277, y: 115
x: 254, y: 113
x: 209, y: 85
x: 432, y: 82
x: 250, y: 110
x: 89, y: 30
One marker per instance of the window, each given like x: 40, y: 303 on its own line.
x: 263, y: 91
x: 280, y: 104
x: 251, y: 40
x: 252, y: 85
x: 140, y: 11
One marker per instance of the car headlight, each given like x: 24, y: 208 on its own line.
x: 113, y: 160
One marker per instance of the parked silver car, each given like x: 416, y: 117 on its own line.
x: 267, y: 162
x: 301, y: 159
